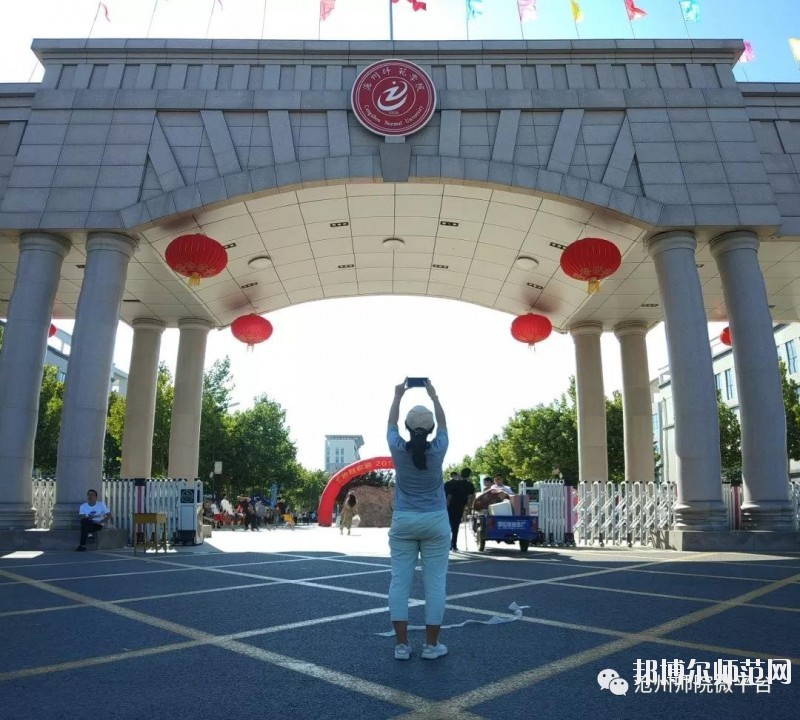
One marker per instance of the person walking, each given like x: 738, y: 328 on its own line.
x: 460, y: 492
x: 348, y: 512
x: 420, y: 527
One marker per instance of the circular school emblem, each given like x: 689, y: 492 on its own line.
x: 393, y: 98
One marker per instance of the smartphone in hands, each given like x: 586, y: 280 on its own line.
x: 416, y: 382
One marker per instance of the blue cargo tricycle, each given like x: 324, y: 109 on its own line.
x: 508, y: 529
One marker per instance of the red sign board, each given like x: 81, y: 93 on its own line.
x: 393, y: 98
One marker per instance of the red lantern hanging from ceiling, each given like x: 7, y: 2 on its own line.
x: 531, y: 328
x: 52, y: 331
x: 591, y: 259
x: 251, y: 329
x: 196, y: 256
x: 725, y: 337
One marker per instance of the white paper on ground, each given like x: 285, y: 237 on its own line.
x: 494, y: 620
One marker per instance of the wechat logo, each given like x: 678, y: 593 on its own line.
x: 611, y: 681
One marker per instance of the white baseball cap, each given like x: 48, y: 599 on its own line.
x: 419, y: 418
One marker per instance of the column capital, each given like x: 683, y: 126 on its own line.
x: 111, y: 241
x: 672, y: 240
x: 630, y: 327
x: 45, y: 241
x: 148, y: 324
x: 194, y: 324
x: 734, y: 240
x: 586, y: 328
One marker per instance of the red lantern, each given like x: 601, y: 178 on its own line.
x: 725, y: 337
x: 531, y: 328
x: 196, y: 256
x: 591, y: 259
x: 52, y: 331
x: 251, y: 329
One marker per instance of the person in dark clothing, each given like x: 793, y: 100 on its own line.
x: 460, y: 493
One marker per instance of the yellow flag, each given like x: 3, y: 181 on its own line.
x: 577, y: 14
x: 794, y: 44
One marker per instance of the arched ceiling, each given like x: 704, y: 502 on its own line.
x: 459, y: 242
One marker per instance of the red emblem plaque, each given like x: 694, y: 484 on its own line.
x: 393, y: 97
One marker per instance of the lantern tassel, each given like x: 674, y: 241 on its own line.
x: 194, y: 280
x: 594, y: 286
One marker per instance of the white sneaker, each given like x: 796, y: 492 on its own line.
x: 431, y: 652
x: 402, y: 652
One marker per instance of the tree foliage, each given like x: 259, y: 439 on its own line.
x: 165, y: 392
x: 214, y: 442
x: 791, y: 400
x: 115, y: 422
x: 51, y: 400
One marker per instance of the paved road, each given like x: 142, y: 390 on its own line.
x: 287, y: 624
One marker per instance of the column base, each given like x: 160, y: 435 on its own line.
x: 17, y: 516
x: 701, y: 515
x: 768, y: 515
x: 65, y: 517
x: 726, y: 541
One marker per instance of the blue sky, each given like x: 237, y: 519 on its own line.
x: 332, y: 364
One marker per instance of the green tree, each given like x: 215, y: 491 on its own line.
x: 48, y: 424
x: 791, y: 400
x: 214, y: 439
x: 305, y: 494
x: 260, y: 450
x: 730, y: 442
x: 165, y: 392
x: 115, y: 422
x: 615, y: 438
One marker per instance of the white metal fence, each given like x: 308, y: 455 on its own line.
x: 120, y: 495
x: 622, y: 513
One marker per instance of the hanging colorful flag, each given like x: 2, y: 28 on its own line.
x: 415, y: 4
x: 326, y: 8
x: 690, y: 10
x: 634, y: 13
x: 749, y: 54
x: 104, y: 8
x: 577, y: 13
x: 794, y: 44
x: 474, y: 8
x: 527, y: 10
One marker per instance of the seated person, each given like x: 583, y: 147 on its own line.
x: 493, y: 492
x: 94, y: 514
x: 500, y: 485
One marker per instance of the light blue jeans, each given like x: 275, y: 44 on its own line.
x: 424, y: 535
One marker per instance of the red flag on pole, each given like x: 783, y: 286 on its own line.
x: 105, y: 11
x: 326, y: 8
x: 416, y: 4
x: 634, y: 13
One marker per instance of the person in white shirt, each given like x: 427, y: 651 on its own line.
x: 499, y: 484
x: 94, y: 514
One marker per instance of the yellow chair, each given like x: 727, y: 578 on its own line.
x: 156, y: 540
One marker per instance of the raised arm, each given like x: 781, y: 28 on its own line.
x: 394, y: 410
x: 438, y: 412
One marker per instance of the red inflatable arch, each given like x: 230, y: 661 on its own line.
x: 340, y: 479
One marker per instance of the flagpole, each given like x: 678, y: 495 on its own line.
x: 391, y: 21
x: 96, y: 13
x: 152, y: 16
x: 210, y: 17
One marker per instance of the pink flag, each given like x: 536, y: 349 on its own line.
x: 105, y: 11
x: 326, y: 8
x: 634, y: 13
x: 749, y: 54
x: 527, y: 10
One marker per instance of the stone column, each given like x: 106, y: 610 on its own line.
x: 83, y: 419
x: 699, y: 505
x: 184, y: 438
x: 762, y: 413
x: 592, y: 441
x: 636, y: 404
x: 140, y: 405
x: 21, y: 362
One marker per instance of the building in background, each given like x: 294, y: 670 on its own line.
x: 341, y: 451
x: 787, y: 342
x: 58, y: 348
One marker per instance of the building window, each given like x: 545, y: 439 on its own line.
x: 791, y: 357
x: 718, y: 382
x: 62, y: 376
x: 729, y: 391
x: 339, y: 456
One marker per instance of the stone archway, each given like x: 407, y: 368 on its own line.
x: 341, y: 478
